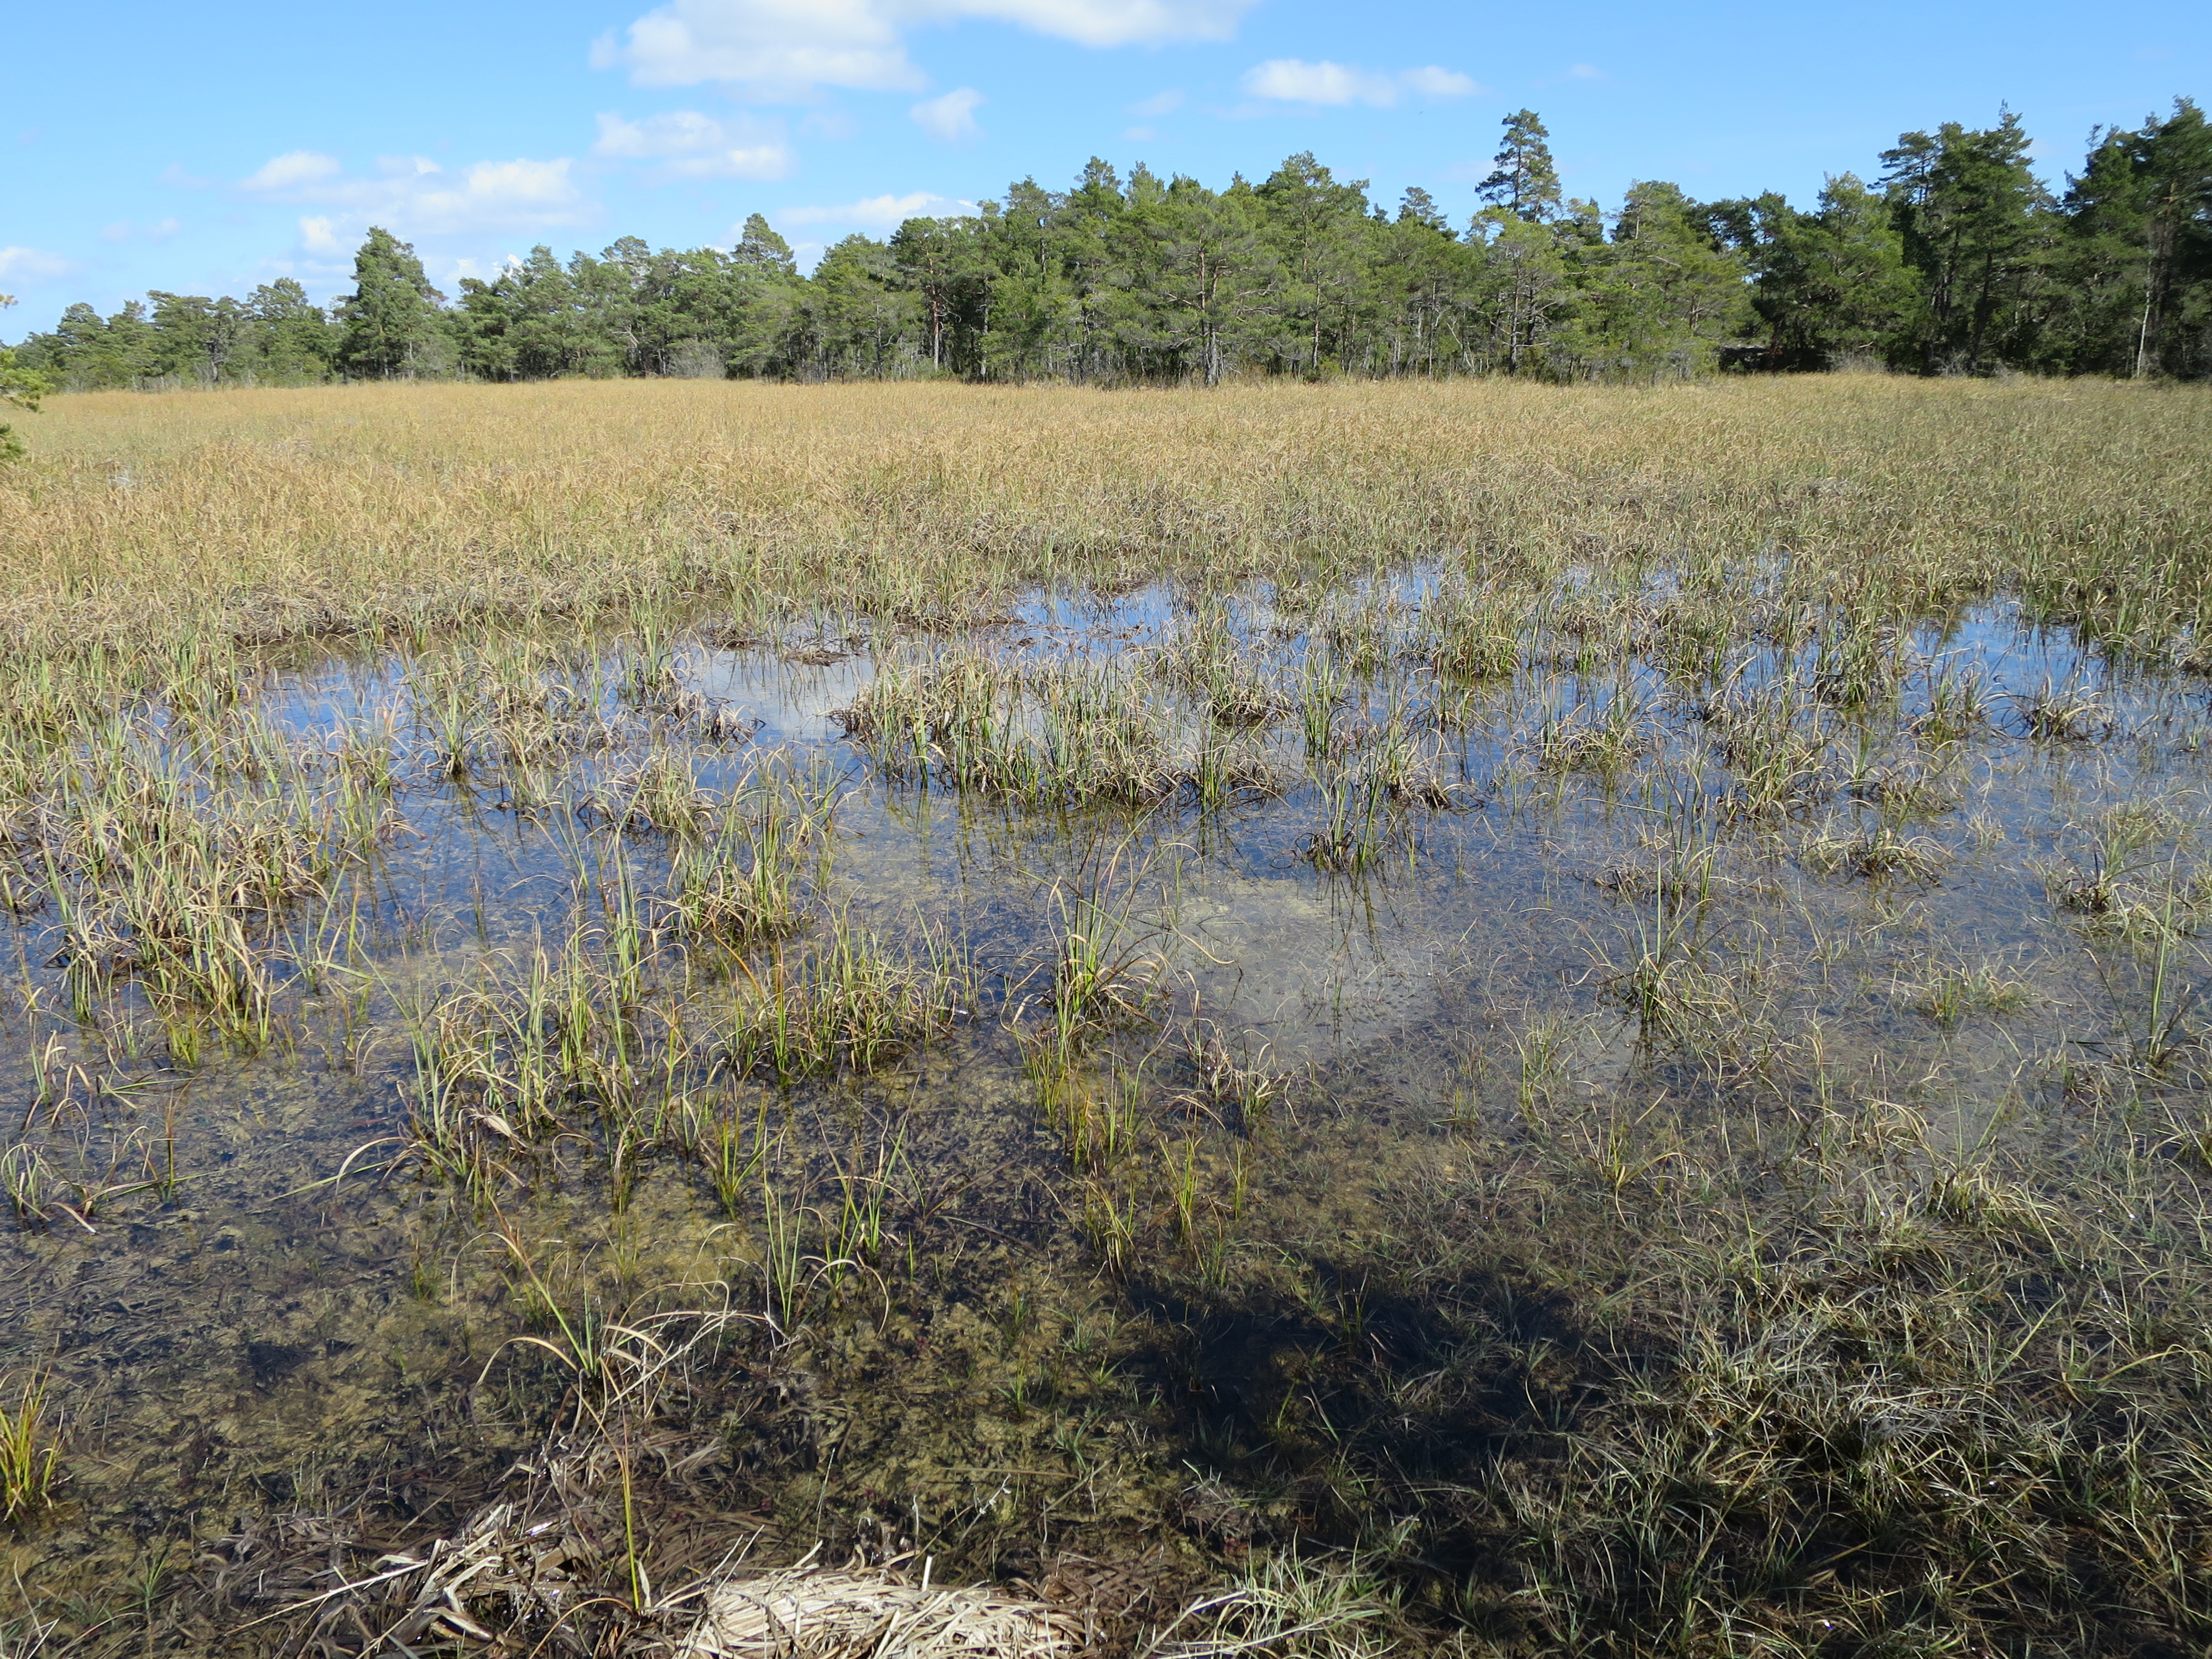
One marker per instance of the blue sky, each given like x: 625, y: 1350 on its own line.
x: 208, y: 150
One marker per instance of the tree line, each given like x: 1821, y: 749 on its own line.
x: 1954, y: 258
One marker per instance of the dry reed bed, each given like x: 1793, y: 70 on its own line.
x: 270, y: 513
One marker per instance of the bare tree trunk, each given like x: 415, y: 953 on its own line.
x: 2153, y: 269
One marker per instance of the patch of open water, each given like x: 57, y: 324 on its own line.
x: 288, y: 1310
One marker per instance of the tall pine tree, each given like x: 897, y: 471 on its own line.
x: 1523, y: 182
x: 1973, y: 217
x: 391, y: 319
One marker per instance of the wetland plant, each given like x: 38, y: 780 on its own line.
x: 2064, y: 714
x: 1603, y: 741
x: 1234, y: 1085
x: 1954, y: 992
x: 1468, y: 637
x: 1956, y: 707
x: 30, y: 1452
x: 848, y: 1002
x: 742, y: 883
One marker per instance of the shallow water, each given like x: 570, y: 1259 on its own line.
x: 254, y: 1295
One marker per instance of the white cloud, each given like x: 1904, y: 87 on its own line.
x: 782, y: 48
x: 1293, y: 80
x: 689, y: 145
x: 414, y: 196
x: 291, y: 171
x: 779, y: 48
x: 1160, y: 103
x: 878, y: 212
x: 1431, y: 81
x: 33, y: 265
x: 1585, y: 72
x: 318, y: 235
x: 517, y: 195
x: 118, y: 231
x: 1288, y: 80
x: 176, y: 177
x: 951, y: 118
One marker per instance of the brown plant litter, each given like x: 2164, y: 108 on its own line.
x: 823, y: 1614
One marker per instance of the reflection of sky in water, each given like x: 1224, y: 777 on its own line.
x: 1259, y: 939
x: 794, y: 700
x: 1417, y: 978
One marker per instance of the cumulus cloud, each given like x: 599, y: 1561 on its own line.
x: 291, y: 171
x: 1293, y: 80
x: 878, y: 212
x: 413, y: 195
x: 685, y: 144
x: 517, y: 195
x: 33, y: 265
x: 784, y: 48
x: 320, y: 235
x: 951, y: 118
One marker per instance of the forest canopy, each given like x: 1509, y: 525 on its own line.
x: 1954, y: 259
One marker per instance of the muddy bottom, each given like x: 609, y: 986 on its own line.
x: 1225, y: 1077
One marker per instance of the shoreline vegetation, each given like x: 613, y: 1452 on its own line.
x: 1956, y: 260
x: 1477, y: 1016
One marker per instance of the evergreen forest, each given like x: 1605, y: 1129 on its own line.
x: 1954, y: 258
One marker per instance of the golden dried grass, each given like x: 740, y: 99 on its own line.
x: 274, y: 513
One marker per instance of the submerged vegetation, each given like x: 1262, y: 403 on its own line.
x: 1484, y: 1019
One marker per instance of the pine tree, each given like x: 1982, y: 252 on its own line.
x: 1093, y: 243
x: 289, y: 339
x: 1661, y: 292
x: 1971, y: 215
x: 858, y: 312
x: 1425, y: 280
x: 1832, y: 285
x: 770, y: 330
x: 1418, y: 207
x: 1214, y: 289
x: 762, y: 253
x: 1318, y: 229
x: 391, y: 318
x: 1524, y: 182
x: 194, y: 337
x: 2139, y: 258
x: 1958, y: 260
x: 20, y: 388
x: 948, y: 270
